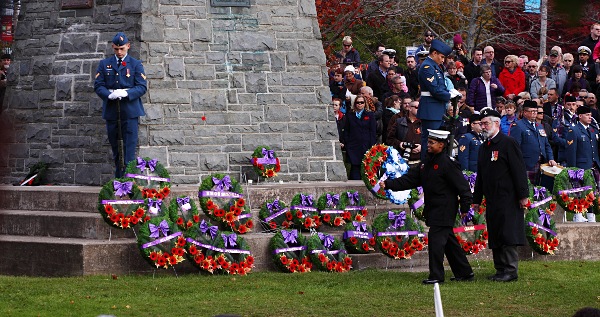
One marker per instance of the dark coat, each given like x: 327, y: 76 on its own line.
x: 503, y: 182
x: 360, y: 135
x: 412, y: 82
x: 476, y: 96
x: 442, y: 182
x: 468, y: 149
x: 378, y: 83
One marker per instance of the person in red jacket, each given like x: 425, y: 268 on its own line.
x: 512, y: 77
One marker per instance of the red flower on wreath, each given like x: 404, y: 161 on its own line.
x: 240, y: 202
x: 365, y: 246
x: 326, y: 217
x: 353, y: 240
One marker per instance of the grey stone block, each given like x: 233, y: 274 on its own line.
x: 42, y: 65
x: 316, y: 167
x: 327, y: 131
x: 256, y: 82
x: 213, y: 162
x: 300, y: 98
x: 87, y: 174
x: 297, y: 165
x: 277, y: 113
x: 336, y: 171
x: 322, y: 148
x: 252, y: 41
x: 78, y: 43
x: 198, y: 72
x: 153, y: 29
x: 63, y: 88
x: 209, y: 100
x: 176, y: 68
x: 183, y: 159
x: 268, y: 99
x: 39, y: 132
x: 155, y: 152
x: 201, y: 30
x: 169, y: 96
x: 307, y: 8
x: 161, y: 138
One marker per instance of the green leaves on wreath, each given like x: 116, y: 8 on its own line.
x: 275, y: 214
x: 290, y: 251
x: 540, y: 228
x: 183, y: 211
x: 471, y: 231
x: 398, y: 235
x: 200, y: 239
x: 265, y: 162
x: 332, y: 210
x: 358, y: 238
x: 150, y: 176
x: 416, y: 202
x: 161, y: 243
x: 574, y: 190
x: 303, y: 211
x: 355, y: 205
x: 233, y: 254
x: 239, y: 217
x: 119, y: 203
x: 218, y: 193
x: 371, y: 170
x: 327, y: 253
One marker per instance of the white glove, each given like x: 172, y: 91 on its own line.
x: 120, y: 93
x: 112, y: 95
x: 454, y: 93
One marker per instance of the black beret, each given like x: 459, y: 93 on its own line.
x: 489, y: 112
x: 584, y: 110
x: 530, y: 104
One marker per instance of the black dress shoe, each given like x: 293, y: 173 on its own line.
x: 430, y: 281
x: 506, y: 278
x: 467, y: 278
x: 493, y: 277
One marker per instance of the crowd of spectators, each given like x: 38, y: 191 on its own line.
x: 543, y: 99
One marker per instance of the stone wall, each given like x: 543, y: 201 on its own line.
x: 256, y: 74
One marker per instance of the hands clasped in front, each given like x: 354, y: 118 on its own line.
x: 118, y: 94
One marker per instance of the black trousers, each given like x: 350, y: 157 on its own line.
x: 506, y: 260
x: 442, y: 241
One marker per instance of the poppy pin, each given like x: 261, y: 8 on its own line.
x: 435, y: 166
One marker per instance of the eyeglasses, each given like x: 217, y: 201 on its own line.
x: 530, y: 111
x: 360, y: 102
x: 486, y: 123
x: 507, y: 62
x: 476, y: 123
x: 490, y: 52
x: 347, y: 45
x: 428, y: 35
x: 540, y: 112
x: 531, y: 66
x: 568, y: 60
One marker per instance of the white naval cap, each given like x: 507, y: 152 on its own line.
x: 439, y: 135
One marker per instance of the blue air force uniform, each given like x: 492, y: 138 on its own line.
x: 434, y: 93
x: 533, y: 141
x: 111, y: 76
x: 468, y: 149
x: 582, y: 147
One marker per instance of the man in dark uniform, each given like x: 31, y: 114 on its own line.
x: 582, y: 142
x: 502, y: 179
x: 434, y: 93
x: 468, y: 145
x: 442, y: 182
x: 533, y: 141
x: 120, y: 82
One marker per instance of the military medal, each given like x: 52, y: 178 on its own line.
x: 127, y: 73
x: 494, y: 156
x: 542, y: 132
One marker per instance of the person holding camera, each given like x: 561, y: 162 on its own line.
x: 443, y: 183
x: 404, y: 134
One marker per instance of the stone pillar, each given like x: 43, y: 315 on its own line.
x: 257, y: 74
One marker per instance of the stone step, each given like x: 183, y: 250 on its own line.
x: 83, y: 225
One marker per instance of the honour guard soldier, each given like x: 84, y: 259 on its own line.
x: 533, y: 140
x: 120, y: 83
x: 434, y: 93
x: 582, y: 142
x: 443, y: 182
x: 560, y: 126
x: 468, y: 145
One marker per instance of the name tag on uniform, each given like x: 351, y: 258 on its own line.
x: 583, y: 138
x: 542, y: 132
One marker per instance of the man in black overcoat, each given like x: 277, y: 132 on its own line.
x: 442, y: 181
x: 502, y: 180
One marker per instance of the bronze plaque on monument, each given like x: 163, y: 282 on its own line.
x: 230, y: 3
x: 77, y: 4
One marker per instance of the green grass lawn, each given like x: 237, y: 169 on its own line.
x: 544, y: 288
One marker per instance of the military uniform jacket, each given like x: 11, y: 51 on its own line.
x: 582, y: 146
x: 442, y: 182
x: 432, y: 80
x: 129, y: 75
x: 502, y: 179
x: 533, y: 141
x: 560, y: 127
x: 468, y: 149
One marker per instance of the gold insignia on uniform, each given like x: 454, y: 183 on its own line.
x: 143, y: 76
x: 426, y: 66
x: 569, y: 142
x: 431, y: 79
x: 97, y: 74
x: 555, y: 130
x: 462, y: 148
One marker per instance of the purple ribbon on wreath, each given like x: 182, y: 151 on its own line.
x: 359, y: 226
x: 353, y: 197
x: 274, y: 206
x: 332, y: 200
x: 229, y: 239
x: 468, y: 217
x: 307, y: 200
x: 289, y: 236
x: 154, y: 203
x: 397, y: 218
x: 122, y: 189
x: 183, y: 201
x: 327, y: 239
x: 212, y: 230
x: 155, y: 231
x: 141, y: 164
x: 471, y: 178
x: 268, y: 157
x: 222, y: 184
x: 539, y: 192
x: 576, y: 175
x: 544, y: 218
